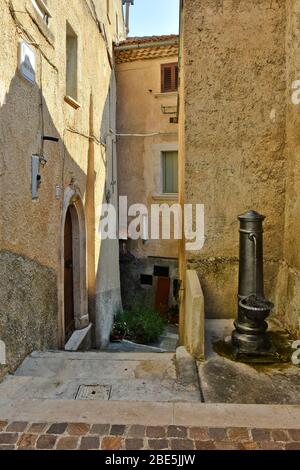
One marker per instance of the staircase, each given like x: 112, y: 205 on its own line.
x: 101, y: 376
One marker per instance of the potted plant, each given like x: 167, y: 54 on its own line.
x: 119, y: 331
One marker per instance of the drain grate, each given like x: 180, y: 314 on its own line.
x: 93, y: 392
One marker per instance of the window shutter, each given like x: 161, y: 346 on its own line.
x: 176, y: 77
x: 169, y: 77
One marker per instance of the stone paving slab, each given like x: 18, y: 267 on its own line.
x: 226, y: 381
x: 84, y: 436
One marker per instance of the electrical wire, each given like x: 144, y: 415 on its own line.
x: 151, y: 134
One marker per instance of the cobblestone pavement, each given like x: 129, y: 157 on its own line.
x: 82, y: 436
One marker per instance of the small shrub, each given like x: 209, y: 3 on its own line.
x: 119, y: 329
x: 143, y: 324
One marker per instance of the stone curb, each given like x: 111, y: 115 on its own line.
x: 152, y: 414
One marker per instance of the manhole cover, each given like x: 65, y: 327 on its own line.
x: 93, y: 392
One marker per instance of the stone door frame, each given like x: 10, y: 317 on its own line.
x: 73, y: 202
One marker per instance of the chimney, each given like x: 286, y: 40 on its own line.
x: 128, y: 3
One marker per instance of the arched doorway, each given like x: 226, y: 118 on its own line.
x: 72, y: 291
x: 69, y: 314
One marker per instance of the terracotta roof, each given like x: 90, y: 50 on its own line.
x: 143, y: 39
x: 152, y: 49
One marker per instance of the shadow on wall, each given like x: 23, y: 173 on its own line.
x: 107, y: 282
x: 30, y: 231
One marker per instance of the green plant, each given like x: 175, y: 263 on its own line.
x: 119, y: 328
x: 144, y: 324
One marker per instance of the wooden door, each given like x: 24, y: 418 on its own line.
x: 162, y: 294
x: 68, y: 281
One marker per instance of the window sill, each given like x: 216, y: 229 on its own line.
x: 72, y: 102
x: 165, y: 197
x: 166, y: 94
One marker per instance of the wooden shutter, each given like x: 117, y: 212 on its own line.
x: 169, y: 77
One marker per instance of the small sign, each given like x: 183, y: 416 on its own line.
x: 27, y: 62
x: 57, y: 191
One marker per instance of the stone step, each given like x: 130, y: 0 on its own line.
x: 102, y: 376
x: 152, y: 414
x: 102, y: 355
x: 61, y: 366
x: 138, y: 389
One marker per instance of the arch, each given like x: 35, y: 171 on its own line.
x: 74, y: 204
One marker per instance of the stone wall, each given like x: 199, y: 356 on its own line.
x: 194, y: 337
x: 28, y: 312
x: 234, y: 111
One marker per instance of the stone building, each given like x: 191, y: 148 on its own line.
x: 147, y: 83
x: 57, y: 166
x: 239, y: 143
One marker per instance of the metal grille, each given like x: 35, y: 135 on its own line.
x: 93, y: 392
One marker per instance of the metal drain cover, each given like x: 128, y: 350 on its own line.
x: 93, y: 392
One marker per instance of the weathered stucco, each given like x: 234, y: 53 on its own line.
x: 30, y: 236
x: 139, y: 157
x: 289, y: 280
x: 28, y: 315
x: 233, y: 114
x: 144, y: 133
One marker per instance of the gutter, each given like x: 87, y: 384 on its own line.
x: 146, y: 45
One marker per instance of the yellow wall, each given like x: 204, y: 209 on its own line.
x: 139, y: 158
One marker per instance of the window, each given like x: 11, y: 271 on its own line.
x: 42, y: 9
x: 170, y: 172
x: 169, y: 77
x: 71, y: 72
x: 146, y: 280
x: 161, y: 271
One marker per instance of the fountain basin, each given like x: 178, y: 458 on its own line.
x: 255, y: 308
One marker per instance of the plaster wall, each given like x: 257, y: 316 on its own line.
x: 30, y: 231
x: 233, y: 109
x: 288, y: 292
